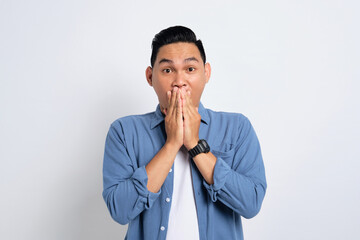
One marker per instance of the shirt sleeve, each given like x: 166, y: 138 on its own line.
x: 125, y: 185
x: 241, y: 187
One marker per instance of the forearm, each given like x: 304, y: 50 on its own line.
x: 158, y: 168
x: 242, y: 193
x: 205, y: 162
x: 128, y: 198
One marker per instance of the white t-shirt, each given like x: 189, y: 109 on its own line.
x: 183, y: 222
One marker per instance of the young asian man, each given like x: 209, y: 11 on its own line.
x: 183, y: 171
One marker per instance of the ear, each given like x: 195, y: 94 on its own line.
x: 148, y: 74
x: 207, y: 72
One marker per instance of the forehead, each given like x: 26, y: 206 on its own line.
x: 178, y: 51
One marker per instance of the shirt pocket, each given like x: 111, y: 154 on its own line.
x: 225, y: 153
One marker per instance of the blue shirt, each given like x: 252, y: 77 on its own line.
x: 239, y: 176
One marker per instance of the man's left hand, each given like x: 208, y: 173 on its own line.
x: 191, y: 121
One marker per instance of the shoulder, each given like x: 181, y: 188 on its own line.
x: 132, y: 120
x: 232, y: 118
x: 227, y: 128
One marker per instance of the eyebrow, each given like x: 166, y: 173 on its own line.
x: 165, y: 60
x: 191, y: 59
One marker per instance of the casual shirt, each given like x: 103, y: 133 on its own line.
x: 183, y: 223
x: 239, y: 176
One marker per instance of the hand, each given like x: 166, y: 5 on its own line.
x: 173, y: 119
x: 192, y: 121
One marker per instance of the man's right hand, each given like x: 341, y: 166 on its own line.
x: 173, y: 119
x: 158, y: 168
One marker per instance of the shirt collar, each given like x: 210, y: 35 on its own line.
x: 159, y: 116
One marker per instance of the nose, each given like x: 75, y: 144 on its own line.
x: 179, y: 81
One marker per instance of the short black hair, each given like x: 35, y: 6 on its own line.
x: 173, y: 35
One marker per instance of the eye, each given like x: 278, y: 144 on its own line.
x: 167, y: 70
x: 191, y: 69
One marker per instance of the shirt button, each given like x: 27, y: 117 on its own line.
x: 162, y: 228
x: 167, y: 199
x: 170, y: 170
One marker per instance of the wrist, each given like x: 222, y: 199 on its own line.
x: 171, y: 146
x: 192, y: 144
x: 201, y: 147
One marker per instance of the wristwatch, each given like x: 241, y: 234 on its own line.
x: 201, y: 147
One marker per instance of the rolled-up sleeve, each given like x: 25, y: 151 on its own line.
x: 124, y: 183
x: 241, y: 183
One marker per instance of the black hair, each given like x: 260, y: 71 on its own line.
x: 173, y: 35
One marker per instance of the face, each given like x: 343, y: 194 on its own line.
x: 178, y: 65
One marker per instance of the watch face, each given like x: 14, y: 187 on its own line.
x: 205, y: 148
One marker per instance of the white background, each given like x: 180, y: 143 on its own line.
x: 70, y: 68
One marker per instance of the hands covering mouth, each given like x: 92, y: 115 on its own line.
x: 182, y: 120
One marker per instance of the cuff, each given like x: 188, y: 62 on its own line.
x: 140, y: 180
x: 221, y: 171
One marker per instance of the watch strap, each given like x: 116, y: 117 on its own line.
x: 201, y: 147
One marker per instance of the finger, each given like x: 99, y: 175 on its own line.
x: 183, y: 99
x: 186, y: 110
x: 168, y: 97
x: 178, y: 106
x: 182, y: 96
x: 191, y: 106
x: 183, y: 92
x: 173, y: 101
x: 177, y: 96
x: 188, y: 103
x: 188, y: 97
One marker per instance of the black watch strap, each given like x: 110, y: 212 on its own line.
x: 201, y: 147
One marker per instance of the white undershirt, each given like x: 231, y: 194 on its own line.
x: 183, y: 222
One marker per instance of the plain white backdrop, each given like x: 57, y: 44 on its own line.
x: 70, y: 68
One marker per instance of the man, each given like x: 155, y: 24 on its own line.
x: 183, y: 171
